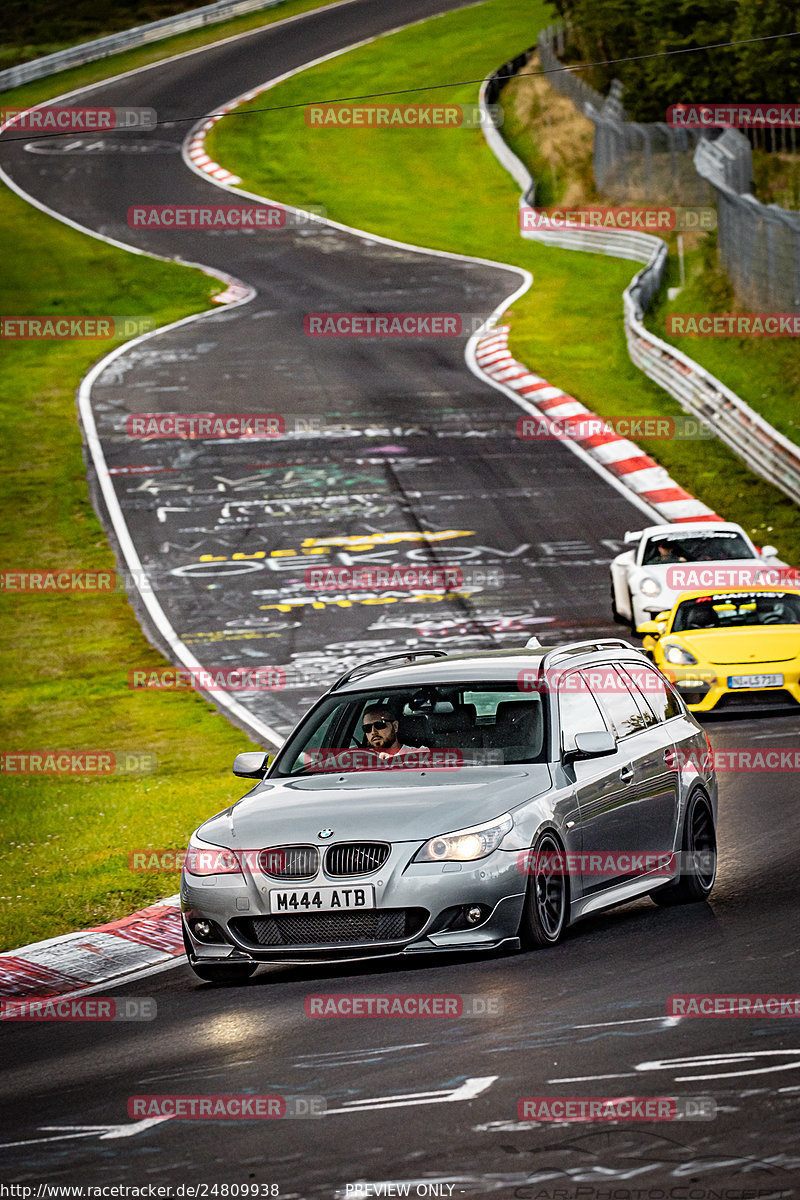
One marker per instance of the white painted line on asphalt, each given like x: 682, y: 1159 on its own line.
x: 633, y: 1021
x: 103, y: 1132
x: 737, y: 1058
x: 468, y: 1090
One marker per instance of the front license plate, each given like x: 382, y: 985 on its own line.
x: 754, y: 681
x: 324, y: 899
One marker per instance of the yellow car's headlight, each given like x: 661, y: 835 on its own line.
x: 677, y: 654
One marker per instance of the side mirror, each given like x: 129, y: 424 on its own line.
x: 633, y: 535
x: 769, y: 551
x: 592, y: 745
x: 252, y: 764
x: 653, y: 629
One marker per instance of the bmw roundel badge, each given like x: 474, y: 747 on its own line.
x: 325, y: 833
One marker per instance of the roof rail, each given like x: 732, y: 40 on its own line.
x: 377, y: 663
x: 576, y: 648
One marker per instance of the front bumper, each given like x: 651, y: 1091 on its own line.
x: 705, y: 687
x: 434, y: 893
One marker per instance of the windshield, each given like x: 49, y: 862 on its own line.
x: 696, y: 547
x: 433, y: 726
x: 728, y: 610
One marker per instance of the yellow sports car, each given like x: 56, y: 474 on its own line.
x: 733, y: 649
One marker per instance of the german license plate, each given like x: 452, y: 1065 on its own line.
x: 324, y: 899
x: 754, y: 681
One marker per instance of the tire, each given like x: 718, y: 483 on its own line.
x: 699, y: 838
x: 615, y: 613
x: 233, y: 973
x: 544, y: 917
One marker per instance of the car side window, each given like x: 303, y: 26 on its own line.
x: 657, y: 692
x: 618, y: 703
x: 578, y: 711
x: 638, y: 685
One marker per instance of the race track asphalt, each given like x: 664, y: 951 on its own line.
x: 430, y: 450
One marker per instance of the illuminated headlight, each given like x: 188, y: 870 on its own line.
x: 466, y: 845
x: 649, y: 587
x: 677, y: 654
x: 204, y: 859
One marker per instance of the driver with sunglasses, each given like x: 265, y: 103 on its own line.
x: 380, y: 727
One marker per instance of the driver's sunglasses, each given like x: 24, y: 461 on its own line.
x: 375, y: 725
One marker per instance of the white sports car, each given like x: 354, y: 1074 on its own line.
x: 648, y: 578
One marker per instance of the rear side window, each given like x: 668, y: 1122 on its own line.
x: 656, y: 691
x: 618, y: 703
x: 578, y: 709
x: 637, y: 685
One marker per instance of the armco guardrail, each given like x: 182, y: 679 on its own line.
x: 699, y: 393
x: 127, y: 39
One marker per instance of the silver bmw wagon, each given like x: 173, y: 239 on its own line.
x: 431, y: 802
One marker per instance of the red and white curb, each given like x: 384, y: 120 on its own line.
x: 196, y: 150
x: 103, y: 955
x: 557, y: 411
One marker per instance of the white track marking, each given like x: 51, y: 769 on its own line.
x: 632, y: 1021
x: 104, y: 1133
x: 468, y: 1090
x: 739, y: 1058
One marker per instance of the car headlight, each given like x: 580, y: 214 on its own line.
x: 649, y: 587
x: 204, y: 859
x: 677, y: 654
x: 466, y: 845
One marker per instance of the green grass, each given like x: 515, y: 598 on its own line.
x: 445, y: 189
